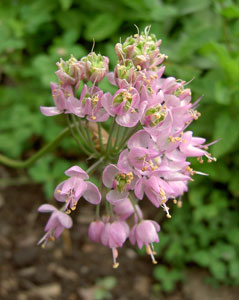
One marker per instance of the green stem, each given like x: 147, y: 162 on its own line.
x: 23, y: 164
x: 110, y: 137
x: 79, y: 130
x: 90, y: 139
x: 135, y: 208
x: 127, y: 137
x: 100, y: 137
x: 116, y: 137
x: 92, y: 168
x: 81, y: 146
x: 97, y: 211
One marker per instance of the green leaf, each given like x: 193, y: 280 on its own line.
x: 202, y: 257
x: 234, y: 182
x: 191, y: 6
x: 66, y: 4
x: 231, y: 12
x: 102, y: 27
x: 218, y: 269
x: 227, y: 130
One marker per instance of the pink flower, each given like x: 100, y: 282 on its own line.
x: 114, y: 235
x: 95, y: 230
x: 94, y: 67
x: 145, y: 233
x: 72, y: 189
x: 124, y: 209
x: 89, y: 105
x: 61, y: 97
x: 125, y: 105
x: 67, y: 71
x: 119, y: 181
x: 56, y: 224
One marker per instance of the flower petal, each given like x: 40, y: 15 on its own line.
x: 50, y: 111
x: 44, y: 208
x: 77, y: 171
x: 92, y: 194
x: 109, y: 175
x: 115, y: 196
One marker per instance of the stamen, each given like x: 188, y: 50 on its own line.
x: 149, y: 252
x: 115, y: 255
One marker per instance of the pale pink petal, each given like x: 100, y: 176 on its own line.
x: 77, y: 171
x: 108, y: 176
x: 44, y: 208
x: 92, y: 194
x: 64, y: 219
x: 115, y: 196
x: 50, y: 111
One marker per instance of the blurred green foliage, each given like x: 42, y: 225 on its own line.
x: 201, y: 40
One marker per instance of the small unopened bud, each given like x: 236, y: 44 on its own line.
x: 94, y: 67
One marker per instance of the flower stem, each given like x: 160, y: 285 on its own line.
x: 92, y: 168
x: 81, y: 146
x: 90, y: 139
x: 24, y: 164
x: 127, y: 137
x: 100, y: 137
x: 110, y: 137
x: 135, y: 208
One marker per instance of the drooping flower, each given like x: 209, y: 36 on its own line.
x: 145, y: 233
x: 56, y: 224
x: 95, y: 230
x: 72, y: 189
x: 114, y: 235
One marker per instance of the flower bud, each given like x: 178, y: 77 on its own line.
x: 142, y: 49
x: 67, y: 71
x: 94, y: 67
x: 126, y: 71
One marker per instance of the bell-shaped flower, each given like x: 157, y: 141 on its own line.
x: 114, y: 235
x: 145, y: 233
x: 72, y: 189
x: 56, y: 224
x: 95, y: 230
x: 124, y: 209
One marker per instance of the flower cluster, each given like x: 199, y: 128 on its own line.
x: 147, y: 148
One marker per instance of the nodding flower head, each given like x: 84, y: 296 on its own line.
x: 114, y: 235
x: 56, y: 224
x: 145, y: 233
x: 95, y: 230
